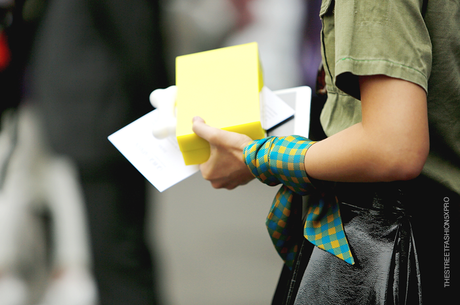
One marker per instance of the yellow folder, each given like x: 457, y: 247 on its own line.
x: 222, y: 86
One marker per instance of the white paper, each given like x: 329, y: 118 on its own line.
x: 160, y: 161
x: 273, y: 109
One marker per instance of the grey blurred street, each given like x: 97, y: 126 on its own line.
x: 212, y: 245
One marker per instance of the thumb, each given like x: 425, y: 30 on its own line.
x: 201, y: 129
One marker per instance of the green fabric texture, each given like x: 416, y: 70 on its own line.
x: 394, y: 38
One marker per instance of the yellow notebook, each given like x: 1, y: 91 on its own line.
x: 222, y: 86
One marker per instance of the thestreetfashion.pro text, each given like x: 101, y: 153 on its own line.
x: 447, y: 257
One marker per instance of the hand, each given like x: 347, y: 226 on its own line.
x: 225, y: 167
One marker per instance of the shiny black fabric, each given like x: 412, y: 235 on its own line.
x: 386, y: 259
x: 396, y: 232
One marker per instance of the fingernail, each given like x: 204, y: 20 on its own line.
x: 196, y: 118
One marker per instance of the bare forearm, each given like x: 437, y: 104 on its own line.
x: 390, y: 144
x: 351, y: 156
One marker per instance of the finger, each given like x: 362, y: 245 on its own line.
x: 161, y: 98
x: 203, y: 130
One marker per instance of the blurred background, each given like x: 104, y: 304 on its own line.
x: 78, y: 224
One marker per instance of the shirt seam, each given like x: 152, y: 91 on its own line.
x: 384, y: 60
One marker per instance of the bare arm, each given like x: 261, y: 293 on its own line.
x: 391, y: 143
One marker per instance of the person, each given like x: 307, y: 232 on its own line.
x: 92, y: 65
x: 391, y: 157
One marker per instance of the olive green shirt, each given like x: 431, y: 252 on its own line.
x: 399, y: 39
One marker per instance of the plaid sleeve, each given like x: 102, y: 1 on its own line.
x: 276, y: 161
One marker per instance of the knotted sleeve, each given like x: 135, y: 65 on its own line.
x: 280, y: 160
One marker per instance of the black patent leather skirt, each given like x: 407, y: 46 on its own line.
x: 397, y: 236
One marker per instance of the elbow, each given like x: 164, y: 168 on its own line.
x: 407, y: 166
x: 407, y: 171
